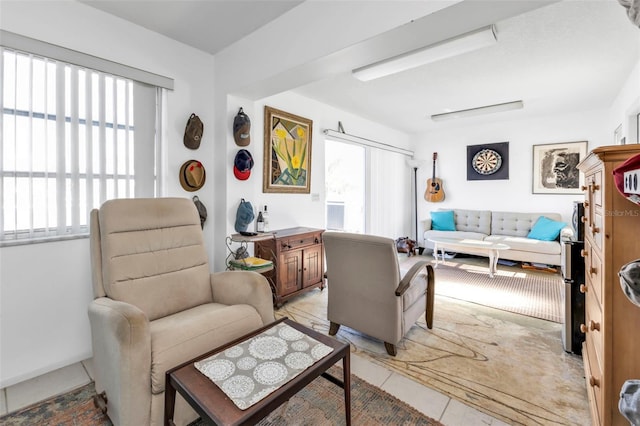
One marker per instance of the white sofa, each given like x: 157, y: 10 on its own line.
x: 510, y: 228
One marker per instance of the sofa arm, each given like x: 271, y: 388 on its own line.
x: 566, y: 234
x: 244, y: 287
x: 426, y: 224
x: 121, y: 341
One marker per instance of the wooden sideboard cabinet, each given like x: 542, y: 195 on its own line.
x: 611, y: 351
x: 298, y: 258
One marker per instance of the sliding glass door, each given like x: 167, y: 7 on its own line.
x: 368, y: 190
x: 345, y: 186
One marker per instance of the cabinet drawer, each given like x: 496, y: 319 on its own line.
x: 593, y: 377
x: 597, y: 188
x: 594, y: 327
x: 595, y: 229
x: 593, y: 270
x: 299, y: 241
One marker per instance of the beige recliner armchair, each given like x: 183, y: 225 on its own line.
x: 368, y: 293
x: 157, y: 305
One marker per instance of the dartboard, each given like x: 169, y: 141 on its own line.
x: 486, y: 162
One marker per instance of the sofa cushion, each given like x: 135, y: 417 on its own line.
x: 473, y: 221
x: 443, y: 221
x: 515, y: 223
x: 180, y: 337
x: 526, y: 244
x: 546, y: 229
x: 455, y: 235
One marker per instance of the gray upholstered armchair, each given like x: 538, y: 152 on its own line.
x: 368, y: 293
x: 157, y: 305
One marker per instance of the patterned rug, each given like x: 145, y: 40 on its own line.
x: 320, y: 403
x: 510, y: 366
x: 532, y: 293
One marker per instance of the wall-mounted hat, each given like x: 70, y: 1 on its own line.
x: 244, y: 216
x: 242, y: 164
x: 630, y: 281
x: 242, y: 129
x: 193, y: 132
x: 192, y: 175
x: 626, y: 177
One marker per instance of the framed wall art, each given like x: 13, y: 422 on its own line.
x: 287, y: 152
x: 555, y: 168
x: 488, y: 161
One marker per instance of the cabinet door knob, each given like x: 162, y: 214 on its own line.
x: 595, y: 229
x: 595, y: 187
x: 583, y: 188
x: 585, y: 203
x: 584, y: 253
x: 583, y: 288
x: 594, y: 382
x: 594, y: 325
x: 583, y: 329
x: 592, y: 270
x: 583, y: 219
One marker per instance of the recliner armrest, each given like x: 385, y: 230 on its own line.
x: 410, y: 275
x: 246, y: 288
x: 122, y: 355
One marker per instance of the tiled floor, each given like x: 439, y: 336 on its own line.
x: 427, y: 401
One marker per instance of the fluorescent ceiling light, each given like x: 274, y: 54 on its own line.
x: 464, y: 43
x: 489, y: 109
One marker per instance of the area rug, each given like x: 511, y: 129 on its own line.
x: 320, y: 403
x: 526, y: 292
x: 507, y: 365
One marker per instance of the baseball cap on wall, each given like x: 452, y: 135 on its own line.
x: 193, y: 132
x: 242, y: 164
x: 242, y: 129
x: 628, y: 185
x: 244, y: 215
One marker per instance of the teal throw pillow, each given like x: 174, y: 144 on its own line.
x: 443, y: 221
x: 546, y: 229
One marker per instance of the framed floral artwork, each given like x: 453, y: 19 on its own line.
x: 555, y: 168
x: 287, y: 152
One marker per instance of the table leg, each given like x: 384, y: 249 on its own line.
x: 492, y: 262
x: 169, y: 402
x: 346, y: 369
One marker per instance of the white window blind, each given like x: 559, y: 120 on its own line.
x: 72, y: 138
x: 387, y: 186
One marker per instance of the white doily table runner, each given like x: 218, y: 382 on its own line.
x: 253, y: 369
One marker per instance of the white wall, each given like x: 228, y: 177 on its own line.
x: 45, y: 289
x: 514, y: 194
x: 288, y: 210
x: 625, y: 108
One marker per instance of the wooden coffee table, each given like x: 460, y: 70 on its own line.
x: 484, y: 248
x: 213, y: 405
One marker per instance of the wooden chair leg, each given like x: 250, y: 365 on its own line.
x: 100, y: 402
x: 333, y: 328
x: 391, y: 349
x: 431, y: 294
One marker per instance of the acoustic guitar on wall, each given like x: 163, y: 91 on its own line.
x: 434, y: 192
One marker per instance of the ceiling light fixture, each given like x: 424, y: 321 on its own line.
x: 464, y: 43
x: 489, y: 109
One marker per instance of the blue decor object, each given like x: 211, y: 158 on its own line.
x: 443, y: 221
x: 546, y: 229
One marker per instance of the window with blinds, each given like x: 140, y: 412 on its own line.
x: 72, y: 138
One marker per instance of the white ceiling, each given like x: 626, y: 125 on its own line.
x: 564, y: 57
